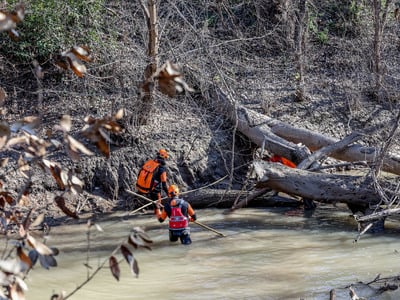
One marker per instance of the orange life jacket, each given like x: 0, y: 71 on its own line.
x: 177, y: 220
x: 282, y: 160
x: 144, y: 182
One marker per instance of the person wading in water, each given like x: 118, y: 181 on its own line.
x: 180, y: 212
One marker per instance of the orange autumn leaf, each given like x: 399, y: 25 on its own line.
x: 23, y: 257
x: 72, y: 59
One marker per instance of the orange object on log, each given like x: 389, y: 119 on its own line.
x: 282, y: 160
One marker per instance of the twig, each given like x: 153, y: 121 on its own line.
x: 89, y: 277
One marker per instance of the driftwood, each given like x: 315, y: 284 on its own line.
x: 322, y: 187
x: 284, y: 139
x: 306, y: 163
x: 205, y: 198
x: 223, y: 199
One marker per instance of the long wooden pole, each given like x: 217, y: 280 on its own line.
x: 209, y: 228
x: 153, y: 202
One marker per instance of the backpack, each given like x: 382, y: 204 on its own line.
x: 144, y: 182
x: 177, y: 220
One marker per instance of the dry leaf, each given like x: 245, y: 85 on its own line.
x: 75, y: 147
x: 11, y: 266
x: 74, y: 183
x: 5, y: 280
x: 82, y: 52
x: 97, y: 130
x: 41, y: 248
x: 23, y: 166
x: 27, y: 221
x: 72, y: 59
x: 60, y: 201
x: 9, y: 21
x: 127, y: 254
x: 33, y: 256
x: 142, y: 234
x: 170, y: 79
x: 103, y: 146
x: 66, y: 123
x: 23, y: 257
x: 17, y: 141
x: 55, y: 170
x: 47, y: 261
x: 119, y: 114
x: 57, y: 296
x: 18, y: 14
x: 16, y: 292
x: 5, y: 197
x: 130, y: 260
x: 114, y: 267
x: 38, y: 221
x: 135, y: 268
x: 135, y: 241
x: 98, y: 227
x: 24, y: 199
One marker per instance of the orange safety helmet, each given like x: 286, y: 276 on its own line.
x: 173, y: 190
x: 163, y: 153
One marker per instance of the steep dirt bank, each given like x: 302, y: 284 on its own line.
x: 216, y: 49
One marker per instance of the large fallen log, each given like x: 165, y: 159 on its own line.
x: 205, y: 198
x: 322, y: 187
x: 284, y: 139
x: 223, y: 199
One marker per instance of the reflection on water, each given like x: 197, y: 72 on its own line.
x: 267, y: 254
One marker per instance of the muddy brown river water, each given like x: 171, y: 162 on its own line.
x: 268, y: 253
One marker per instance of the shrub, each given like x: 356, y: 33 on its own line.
x: 51, y: 25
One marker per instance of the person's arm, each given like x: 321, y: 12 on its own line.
x: 191, y: 213
x: 163, y: 178
x: 160, y: 214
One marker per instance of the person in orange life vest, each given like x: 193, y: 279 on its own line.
x: 159, y: 180
x: 180, y: 213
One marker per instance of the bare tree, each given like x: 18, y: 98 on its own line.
x: 380, y: 18
x: 300, y: 48
x: 146, y: 97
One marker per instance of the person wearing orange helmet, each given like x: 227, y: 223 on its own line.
x: 180, y: 213
x: 152, y: 178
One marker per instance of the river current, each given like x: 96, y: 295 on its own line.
x: 267, y: 253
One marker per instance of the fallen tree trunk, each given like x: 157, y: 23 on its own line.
x: 205, y: 198
x: 321, y: 187
x: 283, y: 139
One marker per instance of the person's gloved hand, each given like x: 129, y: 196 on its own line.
x: 192, y: 218
x: 157, y: 207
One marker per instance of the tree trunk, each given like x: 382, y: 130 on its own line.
x: 223, y: 199
x: 300, y: 44
x: 323, y: 187
x: 287, y: 140
x: 147, y: 87
x: 380, y: 16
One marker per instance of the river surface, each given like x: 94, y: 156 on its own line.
x: 268, y: 253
